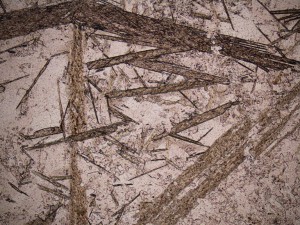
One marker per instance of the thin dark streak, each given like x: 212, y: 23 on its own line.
x: 114, y: 198
x: 94, y: 84
x: 115, y: 72
x: 170, y: 68
x: 120, y: 144
x: 25, y: 97
x: 24, y: 44
x: 121, y: 211
x: 263, y: 34
x: 17, y: 189
x: 87, y: 159
x: 266, y: 36
x: 93, y: 101
x: 226, y: 10
x: 10, y: 81
x: 195, y: 154
x: 158, y: 150
x: 147, y: 172
x: 140, y: 78
x: 204, y: 135
x: 154, y: 160
x: 264, y: 69
x: 62, y: 123
x: 271, y: 14
x: 285, y: 11
x: 108, y: 106
x: 197, y: 119
x: 172, y: 11
x: 121, y: 115
x: 182, y: 138
x: 53, y: 191
x: 50, y: 180
x: 49, y: 216
x: 294, y: 18
x: 244, y: 66
x: 209, y: 17
x: 291, y: 16
x: 188, y: 99
x: 285, y: 36
x: 296, y: 25
x: 74, y: 107
x: 62, y: 127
